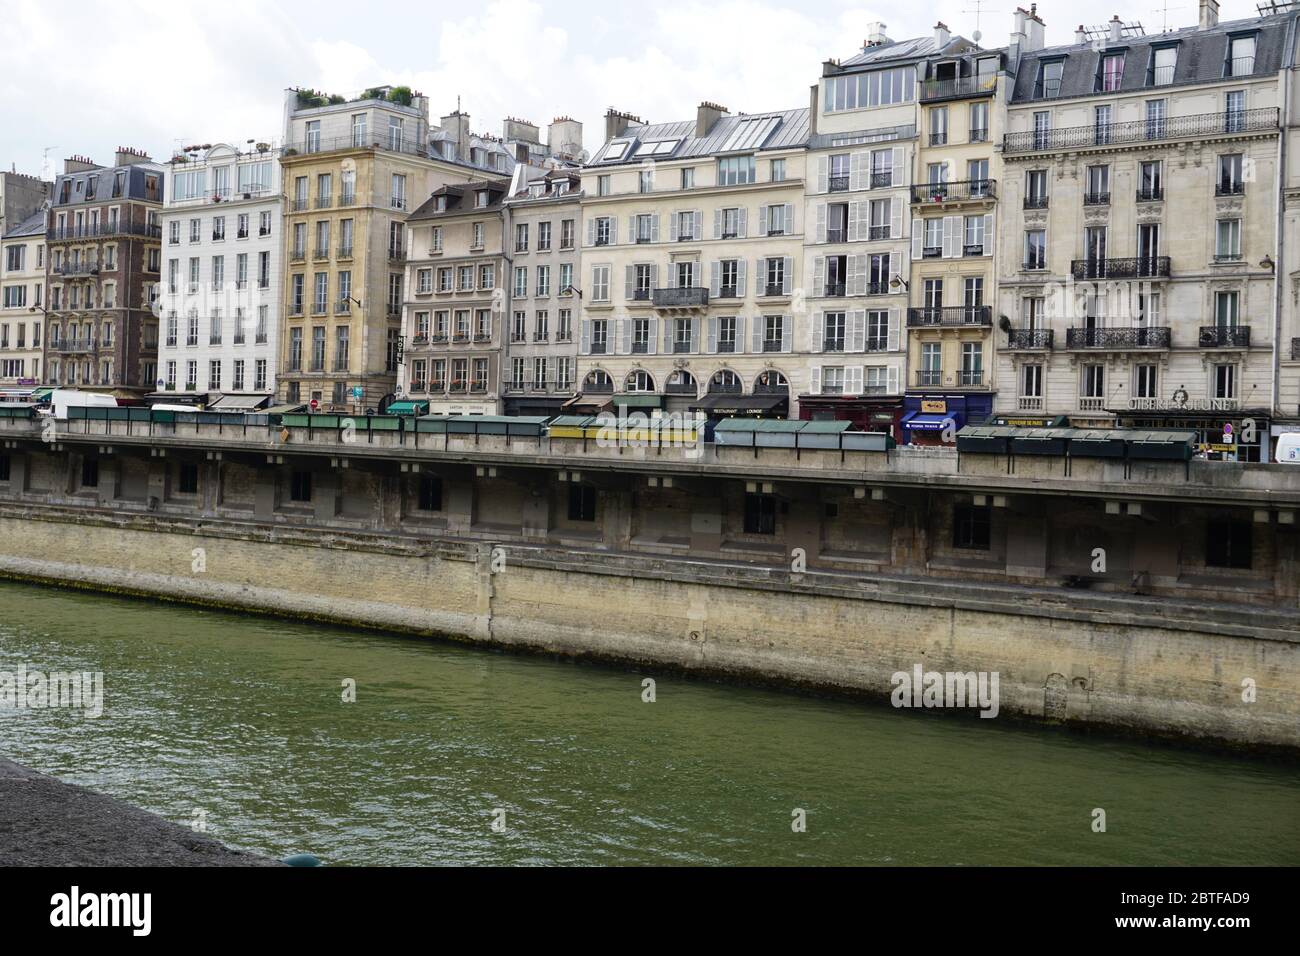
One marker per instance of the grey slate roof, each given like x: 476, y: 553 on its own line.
x: 790, y: 131
x: 33, y: 225
x: 1201, y: 57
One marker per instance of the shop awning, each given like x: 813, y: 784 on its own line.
x: 239, y: 403
x: 408, y: 408
x: 930, y: 422
x: 639, y: 401
x: 722, y: 403
x: 41, y: 394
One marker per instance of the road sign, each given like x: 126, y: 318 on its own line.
x: 314, y: 404
x: 358, y: 392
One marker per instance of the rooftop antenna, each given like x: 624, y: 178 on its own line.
x: 977, y: 35
x: 1164, y: 16
x: 46, y: 171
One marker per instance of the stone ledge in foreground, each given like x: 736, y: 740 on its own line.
x: 46, y: 822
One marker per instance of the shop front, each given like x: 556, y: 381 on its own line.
x: 1221, y: 434
x: 866, y: 414
x: 927, y: 417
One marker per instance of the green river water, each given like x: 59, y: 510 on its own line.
x: 241, y: 718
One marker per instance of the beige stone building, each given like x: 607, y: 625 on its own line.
x: 692, y: 241
x: 22, y: 301
x: 1138, y: 263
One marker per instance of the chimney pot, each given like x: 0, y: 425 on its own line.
x: 1209, y: 14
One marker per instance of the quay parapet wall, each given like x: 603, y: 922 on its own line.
x: 813, y: 568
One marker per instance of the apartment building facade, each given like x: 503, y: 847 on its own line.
x: 861, y: 157
x: 22, y: 301
x: 221, y: 297
x: 455, y: 301
x: 954, y: 209
x: 1139, y: 282
x: 103, y: 268
x: 692, y: 243
x: 543, y: 219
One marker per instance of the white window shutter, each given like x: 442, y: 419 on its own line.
x: 896, y: 260
x: 821, y: 222
x: 652, y: 339
x: 654, y: 228
x: 857, y: 167
x: 858, y: 331
x: 631, y: 229
x: 695, y: 334
x: 787, y: 332
x: 624, y: 336
x: 864, y: 274
x: 899, y: 174
x: 896, y: 218
x: 815, y: 380
x: 717, y: 224
x: 711, y: 345
x: 668, y: 336
x: 787, y: 276
x: 818, y: 332
x: 823, y: 173
x: 742, y: 225
x: 853, y: 380
x: 672, y: 226
x: 762, y: 221
x: 819, y: 275
x: 758, y: 334
x: 789, y: 219
x: 855, y: 221
x: 891, y: 379
x: 851, y: 279
x: 591, y: 232
x: 654, y: 276
x: 584, y: 341
x: 672, y: 276
x: 696, y: 229
x: 952, y: 236
x: 895, y: 329
x: 629, y: 283
x: 740, y: 277
x: 613, y: 231
x: 918, y: 239
x: 715, y: 279
x: 989, y: 236
x: 740, y: 333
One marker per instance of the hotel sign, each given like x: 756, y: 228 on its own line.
x: 1181, y: 403
x: 934, y: 408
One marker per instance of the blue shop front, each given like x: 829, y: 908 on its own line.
x: 927, y: 416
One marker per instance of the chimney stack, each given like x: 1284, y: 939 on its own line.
x: 456, y: 125
x: 706, y: 116
x: 1209, y: 14
x: 1081, y: 35
x: 941, y: 35
x: 126, y: 156
x: 616, y: 123
x: 564, y: 138
x: 1035, y: 30
x: 1116, y: 29
x: 875, y: 34
x: 78, y: 164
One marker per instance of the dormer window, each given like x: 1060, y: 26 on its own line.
x: 1048, y: 84
x: 482, y: 198
x: 537, y: 191
x: 440, y: 204
x: 1111, y: 73
x: 1164, y: 59
x: 1241, y: 56
x: 561, y: 187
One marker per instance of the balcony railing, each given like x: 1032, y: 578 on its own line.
x: 961, y: 191
x: 1096, y: 199
x: 882, y: 180
x: 1156, y: 337
x: 1148, y: 267
x: 681, y: 298
x: 375, y: 140
x: 1035, y: 202
x: 107, y: 229
x: 1225, y: 337
x: 961, y: 86
x: 839, y: 184
x: 1029, y: 339
x: 1139, y: 131
x: 1228, y: 187
x: 950, y: 316
x: 970, y: 377
x: 682, y: 388
x: 1152, y: 194
x: 929, y: 378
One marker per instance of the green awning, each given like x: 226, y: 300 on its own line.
x: 41, y: 394
x: 408, y: 408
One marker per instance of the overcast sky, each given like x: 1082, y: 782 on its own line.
x: 159, y: 75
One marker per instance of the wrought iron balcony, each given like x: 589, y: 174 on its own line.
x: 1153, y: 194
x: 838, y: 184
x: 1140, y: 131
x: 959, y: 87
x: 686, y: 297
x: 929, y: 378
x: 1147, y: 267
x: 950, y: 316
x: 1096, y: 199
x: 1225, y: 337
x: 1228, y: 187
x: 1029, y: 339
x: 961, y: 191
x: 1156, y: 337
x: 681, y: 388
x: 1035, y: 202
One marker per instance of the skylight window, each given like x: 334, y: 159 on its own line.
x: 617, y: 150
x: 751, y: 133
x: 661, y: 148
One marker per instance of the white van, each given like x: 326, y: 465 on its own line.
x: 64, y: 398
x: 1288, y: 449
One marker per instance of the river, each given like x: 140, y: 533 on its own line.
x: 238, y: 723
